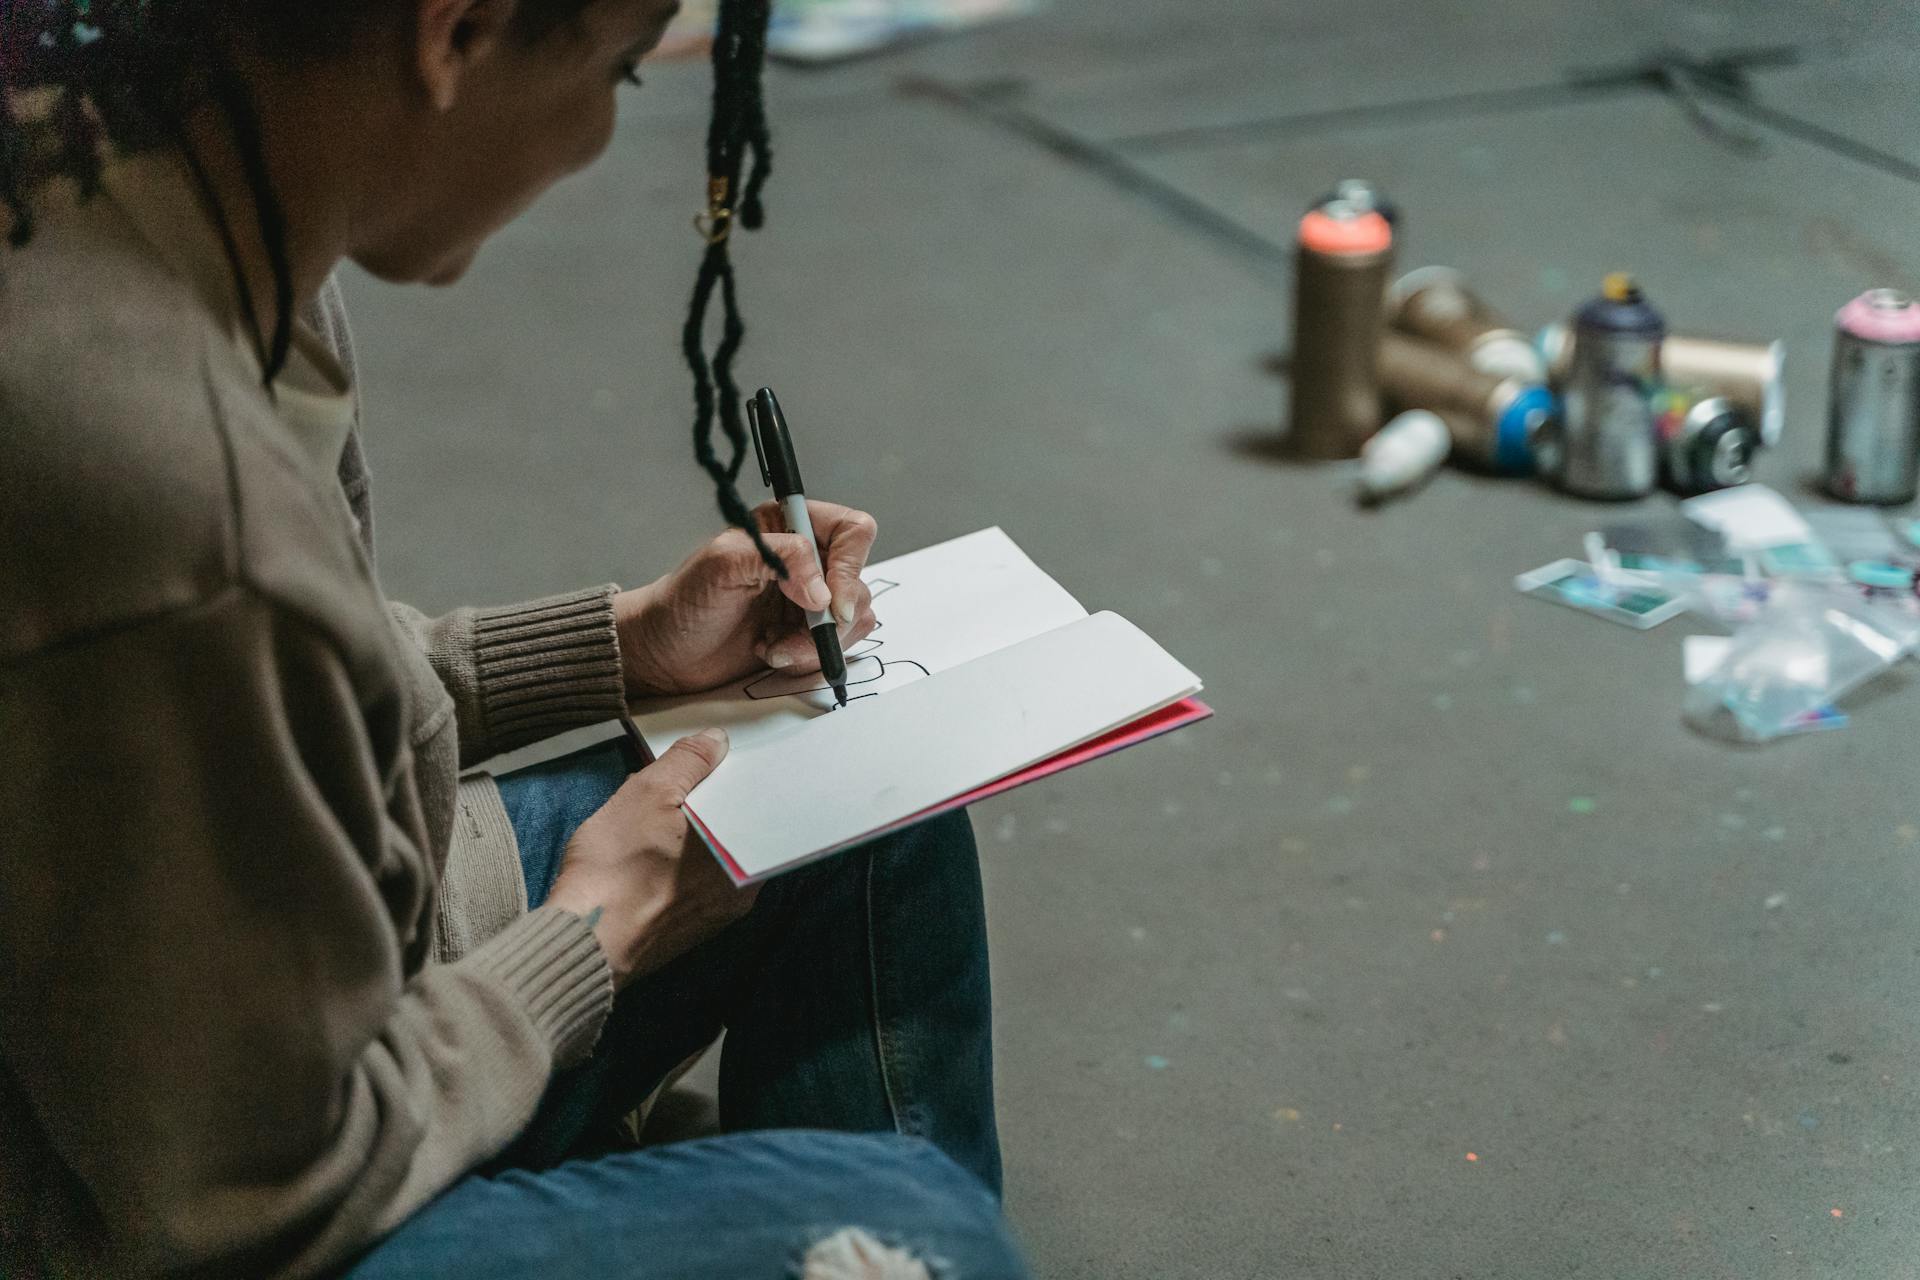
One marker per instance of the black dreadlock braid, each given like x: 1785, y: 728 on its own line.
x: 130, y: 69
x: 738, y: 130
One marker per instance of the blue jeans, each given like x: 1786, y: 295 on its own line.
x: 855, y: 1081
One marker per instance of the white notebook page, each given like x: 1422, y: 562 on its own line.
x: 938, y: 607
x: 844, y: 776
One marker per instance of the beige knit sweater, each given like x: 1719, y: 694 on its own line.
x: 267, y: 983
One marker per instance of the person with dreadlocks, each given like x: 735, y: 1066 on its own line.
x: 284, y: 992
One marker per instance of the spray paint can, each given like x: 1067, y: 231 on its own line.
x: 1493, y: 421
x: 1873, y: 415
x: 1344, y: 256
x: 1435, y: 303
x: 1707, y: 442
x: 1604, y: 446
x: 1750, y: 374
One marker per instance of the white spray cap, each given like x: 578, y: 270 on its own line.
x: 1509, y: 356
x: 1403, y: 453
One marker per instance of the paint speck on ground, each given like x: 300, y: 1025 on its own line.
x: 1337, y: 1126
x: 1775, y: 901
x: 1155, y: 1062
x: 1482, y: 862
x: 1443, y: 702
x: 1556, y: 938
x: 1210, y: 567
x: 1137, y: 934
x: 1297, y: 993
x: 1629, y: 982
x: 1286, y: 1115
x: 1446, y: 917
x: 1341, y: 805
x: 1359, y: 773
x: 1581, y: 805
x: 1473, y: 1157
x: 1057, y: 826
x: 1007, y: 828
x: 1712, y: 1006
x: 1808, y: 1120
x: 1655, y: 972
x: 1907, y: 832
x: 1838, y: 1213
x: 1557, y: 1035
x: 1523, y: 695
x: 1293, y: 844
x: 1734, y: 821
x: 1775, y: 834
x: 1438, y: 935
x: 1623, y: 888
x: 1172, y: 809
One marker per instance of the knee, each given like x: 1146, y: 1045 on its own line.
x: 902, y: 1210
x: 851, y: 1253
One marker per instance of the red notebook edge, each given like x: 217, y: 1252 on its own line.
x: 1155, y: 724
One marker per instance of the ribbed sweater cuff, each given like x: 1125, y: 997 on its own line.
x: 548, y: 666
x: 552, y: 961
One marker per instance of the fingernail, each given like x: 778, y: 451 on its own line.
x: 844, y: 612
x: 818, y: 594
x: 779, y: 661
x: 716, y: 736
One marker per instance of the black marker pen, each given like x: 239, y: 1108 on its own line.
x: 773, y: 445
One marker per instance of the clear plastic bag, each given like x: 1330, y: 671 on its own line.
x: 1807, y: 647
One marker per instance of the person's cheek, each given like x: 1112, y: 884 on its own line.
x: 595, y: 132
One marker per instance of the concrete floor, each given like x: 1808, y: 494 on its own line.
x: 1447, y: 874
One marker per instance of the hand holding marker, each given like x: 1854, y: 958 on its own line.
x: 773, y: 446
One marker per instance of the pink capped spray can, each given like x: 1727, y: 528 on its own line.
x: 1873, y: 420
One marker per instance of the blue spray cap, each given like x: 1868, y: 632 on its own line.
x: 1514, y: 434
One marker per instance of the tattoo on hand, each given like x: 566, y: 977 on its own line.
x: 593, y: 917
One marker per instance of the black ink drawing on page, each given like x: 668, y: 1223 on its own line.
x: 864, y: 668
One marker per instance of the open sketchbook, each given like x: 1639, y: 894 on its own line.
x: 984, y: 674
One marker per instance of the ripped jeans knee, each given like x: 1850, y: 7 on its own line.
x: 851, y: 1253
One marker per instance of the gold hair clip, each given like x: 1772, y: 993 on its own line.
x: 715, y: 224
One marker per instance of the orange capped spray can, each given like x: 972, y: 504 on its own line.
x: 1343, y: 259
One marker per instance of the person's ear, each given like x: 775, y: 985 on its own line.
x: 451, y: 37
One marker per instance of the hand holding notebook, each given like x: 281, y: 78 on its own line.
x: 984, y: 674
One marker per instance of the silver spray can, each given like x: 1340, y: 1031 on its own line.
x: 1873, y: 416
x: 1707, y: 442
x: 1606, y: 446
